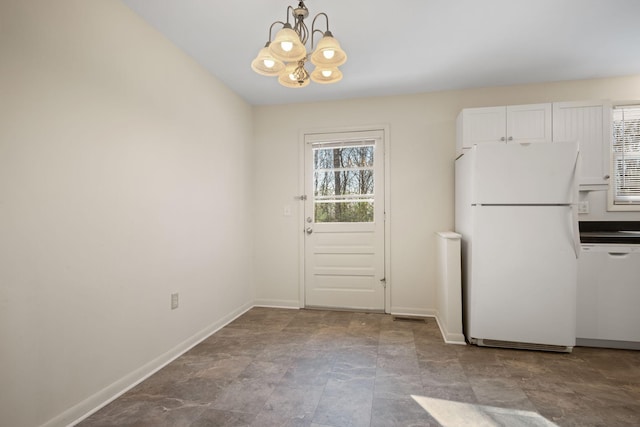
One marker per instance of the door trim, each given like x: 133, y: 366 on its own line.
x: 387, y: 205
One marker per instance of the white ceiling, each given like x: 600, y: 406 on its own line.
x: 411, y: 46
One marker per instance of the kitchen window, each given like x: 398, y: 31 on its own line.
x: 624, y: 193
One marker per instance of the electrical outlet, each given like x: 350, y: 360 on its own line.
x: 583, y: 207
x: 174, y: 301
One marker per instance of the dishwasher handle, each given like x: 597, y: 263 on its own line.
x: 618, y: 254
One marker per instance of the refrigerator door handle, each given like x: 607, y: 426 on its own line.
x: 575, y: 229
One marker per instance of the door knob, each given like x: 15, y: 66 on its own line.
x: 309, y: 230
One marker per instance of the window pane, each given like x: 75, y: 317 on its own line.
x: 344, y: 211
x: 626, y: 154
x: 349, y: 182
x: 343, y: 183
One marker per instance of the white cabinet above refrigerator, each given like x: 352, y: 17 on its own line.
x: 513, y: 123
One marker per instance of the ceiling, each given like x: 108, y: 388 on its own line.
x: 411, y: 46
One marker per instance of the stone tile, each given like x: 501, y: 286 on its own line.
x: 145, y: 412
x: 598, y: 394
x: 400, y: 413
x: 621, y: 415
x: 269, y: 419
x: 398, y: 387
x: 225, y: 369
x: 443, y: 373
x: 280, y: 353
x: 437, y: 352
x: 225, y: 347
x: 400, y: 336
x: 454, y: 393
x: 244, y: 395
x: 389, y: 365
x: 501, y: 392
x: 308, y: 371
x: 194, y: 390
x: 218, y: 418
x: 266, y: 371
x: 357, y: 356
x: 345, y: 403
x: 395, y: 350
x: 288, y: 402
x: 345, y: 372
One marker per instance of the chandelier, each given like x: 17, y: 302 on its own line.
x: 286, y: 56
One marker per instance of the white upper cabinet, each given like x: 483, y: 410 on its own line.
x: 588, y: 123
x: 513, y: 123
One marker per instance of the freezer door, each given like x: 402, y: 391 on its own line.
x: 537, y: 173
x: 523, y: 275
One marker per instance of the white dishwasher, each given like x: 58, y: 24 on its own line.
x: 608, y: 292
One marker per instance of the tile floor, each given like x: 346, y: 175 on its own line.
x: 275, y: 367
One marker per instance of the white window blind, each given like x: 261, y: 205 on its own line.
x: 626, y: 155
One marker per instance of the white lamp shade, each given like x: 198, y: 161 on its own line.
x: 287, y: 46
x: 325, y: 75
x: 266, y: 64
x: 288, y: 79
x: 328, y: 53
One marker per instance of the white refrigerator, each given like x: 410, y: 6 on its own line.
x: 516, y: 209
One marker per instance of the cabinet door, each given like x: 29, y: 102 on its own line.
x: 482, y: 125
x: 588, y: 123
x: 529, y: 123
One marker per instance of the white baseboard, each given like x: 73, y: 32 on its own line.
x: 105, y: 396
x: 450, y: 337
x: 412, y: 312
x: 277, y: 303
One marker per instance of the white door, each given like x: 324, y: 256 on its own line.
x: 344, y: 220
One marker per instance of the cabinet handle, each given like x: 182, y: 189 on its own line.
x: 606, y: 177
x: 502, y: 139
x: 510, y: 138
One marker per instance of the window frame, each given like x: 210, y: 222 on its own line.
x: 613, y: 203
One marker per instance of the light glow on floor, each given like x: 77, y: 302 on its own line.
x: 459, y: 414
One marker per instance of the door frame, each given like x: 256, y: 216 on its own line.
x: 387, y: 205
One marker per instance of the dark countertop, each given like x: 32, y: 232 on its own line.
x: 610, y: 232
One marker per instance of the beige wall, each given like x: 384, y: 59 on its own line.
x: 422, y: 151
x: 124, y: 176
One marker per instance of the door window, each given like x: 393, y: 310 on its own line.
x: 343, y: 181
